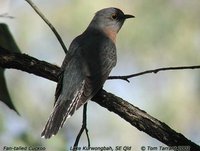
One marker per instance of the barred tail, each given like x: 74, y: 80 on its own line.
x: 62, y: 110
x: 55, y: 121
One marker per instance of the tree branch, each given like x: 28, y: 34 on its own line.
x: 153, y: 71
x: 5, y: 15
x: 142, y: 120
x: 135, y: 116
x: 48, y: 23
x: 29, y: 64
x: 84, y: 127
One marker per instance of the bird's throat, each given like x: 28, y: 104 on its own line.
x: 110, y: 33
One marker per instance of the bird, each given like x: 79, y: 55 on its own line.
x: 88, y: 63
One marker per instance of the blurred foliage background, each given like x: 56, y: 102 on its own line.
x: 164, y: 33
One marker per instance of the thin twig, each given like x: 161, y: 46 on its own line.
x: 85, y: 123
x: 126, y: 77
x: 84, y: 127
x: 48, y: 23
x: 5, y: 15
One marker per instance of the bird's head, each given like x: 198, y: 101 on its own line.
x: 109, y: 18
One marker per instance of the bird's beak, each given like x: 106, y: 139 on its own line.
x: 126, y: 16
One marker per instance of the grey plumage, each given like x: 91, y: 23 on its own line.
x: 90, y: 59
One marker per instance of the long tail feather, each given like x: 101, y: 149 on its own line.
x: 56, y: 120
x: 63, y: 109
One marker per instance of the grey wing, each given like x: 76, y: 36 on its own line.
x: 96, y: 76
x: 67, y: 59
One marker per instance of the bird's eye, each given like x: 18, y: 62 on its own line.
x: 114, y: 16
